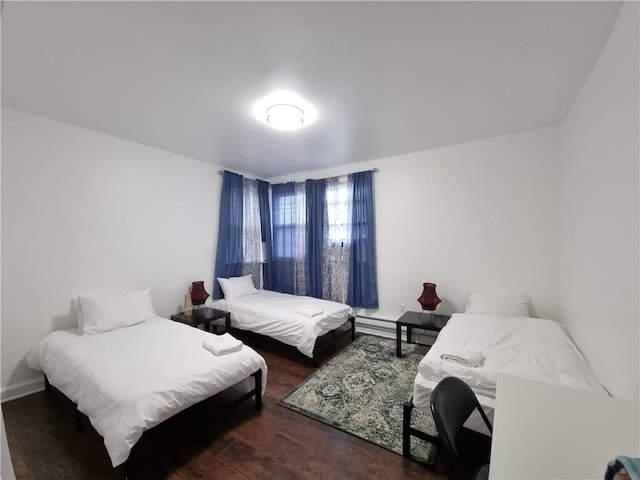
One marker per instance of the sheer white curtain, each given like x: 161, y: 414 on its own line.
x: 251, y: 235
x: 336, y: 246
x: 300, y: 240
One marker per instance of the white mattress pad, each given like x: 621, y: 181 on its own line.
x: 274, y: 314
x: 131, y: 379
x: 528, y: 347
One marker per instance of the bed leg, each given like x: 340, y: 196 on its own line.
x: 257, y: 377
x: 314, y: 360
x: 333, y: 340
x: 406, y: 426
x: 353, y: 328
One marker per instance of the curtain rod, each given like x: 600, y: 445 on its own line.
x: 374, y: 170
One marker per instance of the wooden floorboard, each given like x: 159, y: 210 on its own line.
x: 207, y: 441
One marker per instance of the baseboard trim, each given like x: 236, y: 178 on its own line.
x: 21, y: 389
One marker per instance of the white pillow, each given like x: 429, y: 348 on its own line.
x: 237, y: 287
x: 102, y: 314
x: 503, y: 305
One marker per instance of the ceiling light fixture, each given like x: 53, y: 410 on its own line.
x: 285, y: 111
x: 285, y: 117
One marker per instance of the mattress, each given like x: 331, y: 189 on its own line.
x: 528, y: 347
x: 274, y: 314
x: 130, y: 379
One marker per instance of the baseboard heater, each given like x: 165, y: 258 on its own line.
x: 376, y: 326
x: 387, y: 328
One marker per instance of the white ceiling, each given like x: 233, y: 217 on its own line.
x: 386, y: 77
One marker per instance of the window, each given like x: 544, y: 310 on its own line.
x: 338, y: 206
x: 288, y: 220
x: 289, y: 241
x: 283, y: 208
x: 343, y: 268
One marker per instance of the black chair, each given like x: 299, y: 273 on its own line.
x: 452, y: 402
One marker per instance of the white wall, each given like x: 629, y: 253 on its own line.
x: 599, y: 212
x: 84, y: 212
x: 475, y: 217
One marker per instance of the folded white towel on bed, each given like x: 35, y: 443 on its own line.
x: 308, y: 310
x: 222, y: 344
x: 466, y: 357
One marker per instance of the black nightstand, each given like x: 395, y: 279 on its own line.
x: 412, y: 320
x: 204, y: 316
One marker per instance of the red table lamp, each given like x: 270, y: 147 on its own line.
x: 429, y: 299
x: 198, y: 294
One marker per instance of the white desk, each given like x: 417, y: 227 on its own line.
x: 543, y: 431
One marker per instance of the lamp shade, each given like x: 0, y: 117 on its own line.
x: 429, y: 298
x: 198, y: 294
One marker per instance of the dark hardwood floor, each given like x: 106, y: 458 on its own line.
x: 207, y: 441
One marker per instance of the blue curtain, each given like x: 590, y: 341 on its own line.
x: 265, y: 229
x: 282, y: 260
x: 315, y: 203
x: 363, y: 284
x: 229, y: 252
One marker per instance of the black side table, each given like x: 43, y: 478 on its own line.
x: 204, y: 316
x: 424, y: 321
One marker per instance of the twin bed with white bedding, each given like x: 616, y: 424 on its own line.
x: 128, y: 370
x: 528, y: 347
x: 276, y: 315
x: 127, y: 380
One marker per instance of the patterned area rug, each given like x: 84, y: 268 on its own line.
x: 361, y: 391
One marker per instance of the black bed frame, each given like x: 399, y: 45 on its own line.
x: 323, y: 342
x: 119, y: 472
x: 408, y: 431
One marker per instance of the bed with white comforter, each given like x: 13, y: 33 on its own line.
x: 274, y: 314
x: 528, y: 347
x: 130, y: 379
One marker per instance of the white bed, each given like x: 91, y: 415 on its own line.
x: 534, y: 348
x: 274, y: 314
x: 130, y: 379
